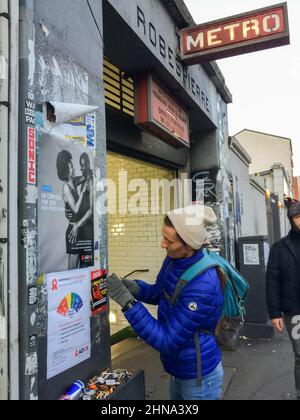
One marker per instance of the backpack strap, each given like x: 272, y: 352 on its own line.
x: 194, y: 271
x: 199, y: 361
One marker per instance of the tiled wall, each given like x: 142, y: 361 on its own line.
x: 134, y: 240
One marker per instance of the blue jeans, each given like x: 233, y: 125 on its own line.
x: 210, y: 390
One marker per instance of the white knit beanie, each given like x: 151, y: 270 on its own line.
x: 190, y: 224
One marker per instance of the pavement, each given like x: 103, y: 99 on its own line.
x: 256, y: 370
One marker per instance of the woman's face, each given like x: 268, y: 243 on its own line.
x: 71, y: 169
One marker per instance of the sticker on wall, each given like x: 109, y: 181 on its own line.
x: 32, y: 341
x: 41, y: 280
x: 33, y: 319
x: 99, y: 298
x: 30, y: 251
x: 29, y: 112
x: 31, y: 157
x: 31, y: 94
x: 31, y: 367
x: 91, y: 129
x: 32, y: 296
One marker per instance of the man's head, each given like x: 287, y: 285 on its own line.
x: 85, y: 164
x: 294, y: 215
x: 184, y: 230
x: 175, y: 246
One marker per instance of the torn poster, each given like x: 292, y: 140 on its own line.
x: 71, y: 122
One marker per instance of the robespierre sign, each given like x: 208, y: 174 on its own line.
x: 253, y: 31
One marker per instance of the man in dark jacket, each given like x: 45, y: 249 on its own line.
x: 283, y: 285
x: 184, y: 331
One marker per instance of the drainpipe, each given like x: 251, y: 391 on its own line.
x: 9, y: 41
x: 4, y: 116
x: 13, y: 274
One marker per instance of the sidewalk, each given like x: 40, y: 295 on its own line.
x: 257, y: 370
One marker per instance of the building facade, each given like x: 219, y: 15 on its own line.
x: 139, y: 152
x: 272, y: 163
x: 77, y: 115
x: 276, y: 181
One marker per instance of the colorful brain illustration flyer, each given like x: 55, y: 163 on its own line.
x: 70, y: 304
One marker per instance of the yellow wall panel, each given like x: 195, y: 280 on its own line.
x: 134, y: 241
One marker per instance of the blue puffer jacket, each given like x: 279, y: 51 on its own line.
x: 173, y: 333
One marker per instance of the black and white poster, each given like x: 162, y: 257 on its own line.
x: 66, y: 216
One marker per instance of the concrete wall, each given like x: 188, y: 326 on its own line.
x: 258, y: 218
x: 249, y: 200
x: 275, y: 181
x: 60, y: 60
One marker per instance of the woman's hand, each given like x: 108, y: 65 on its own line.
x: 74, y: 233
x: 84, y: 187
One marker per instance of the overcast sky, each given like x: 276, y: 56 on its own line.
x: 265, y: 85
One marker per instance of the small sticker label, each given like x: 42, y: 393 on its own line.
x: 31, y: 164
x: 32, y: 296
x: 31, y: 367
x: 29, y: 112
x: 32, y: 341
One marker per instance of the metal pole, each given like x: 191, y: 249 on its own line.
x: 4, y: 111
x: 13, y: 283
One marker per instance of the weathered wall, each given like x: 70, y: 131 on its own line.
x: 249, y: 201
x: 61, y: 59
x: 4, y: 78
x: 209, y: 160
x: 259, y: 212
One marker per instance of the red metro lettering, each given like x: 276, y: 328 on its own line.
x: 236, y: 35
x: 234, y: 32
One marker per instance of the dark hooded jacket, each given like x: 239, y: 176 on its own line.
x: 283, y: 277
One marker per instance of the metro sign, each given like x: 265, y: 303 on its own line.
x: 241, y: 34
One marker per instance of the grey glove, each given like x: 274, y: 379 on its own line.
x: 132, y: 286
x: 117, y: 291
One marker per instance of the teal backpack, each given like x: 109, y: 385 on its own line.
x: 234, y: 285
x: 235, y: 289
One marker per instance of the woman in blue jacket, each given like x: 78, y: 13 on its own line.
x: 184, y: 331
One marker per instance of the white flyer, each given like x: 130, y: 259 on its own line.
x: 69, y: 335
x: 251, y: 254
